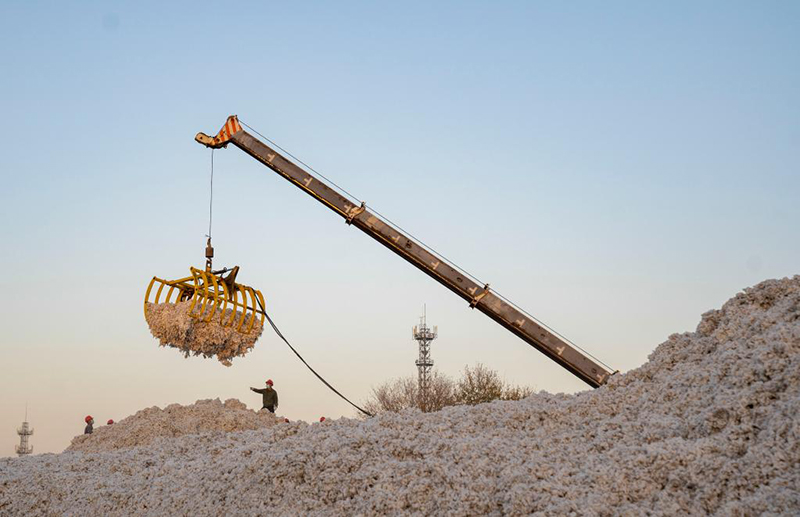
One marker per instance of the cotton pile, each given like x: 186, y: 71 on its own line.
x: 172, y: 325
x: 709, y: 425
x: 175, y: 420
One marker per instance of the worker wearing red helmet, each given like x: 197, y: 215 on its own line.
x: 269, y: 397
x: 89, y: 423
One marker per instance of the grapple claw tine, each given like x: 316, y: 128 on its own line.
x: 252, y: 311
x: 213, y: 299
x: 147, y: 295
x: 262, y: 304
x: 235, y: 304
x: 225, y: 295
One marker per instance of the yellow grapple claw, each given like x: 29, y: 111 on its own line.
x: 210, y: 293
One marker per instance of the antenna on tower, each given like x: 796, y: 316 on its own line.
x: 423, y: 335
x: 23, y: 449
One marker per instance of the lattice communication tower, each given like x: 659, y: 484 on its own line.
x: 23, y: 449
x: 423, y: 335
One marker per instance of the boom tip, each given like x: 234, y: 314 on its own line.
x: 230, y: 128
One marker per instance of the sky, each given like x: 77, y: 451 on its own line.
x: 614, y: 168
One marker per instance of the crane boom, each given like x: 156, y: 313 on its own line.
x: 478, y: 296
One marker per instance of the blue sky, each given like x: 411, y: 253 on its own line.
x: 614, y: 168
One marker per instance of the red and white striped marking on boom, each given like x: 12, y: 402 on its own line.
x: 230, y: 128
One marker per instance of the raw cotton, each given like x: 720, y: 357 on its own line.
x: 150, y: 424
x: 173, y: 326
x: 710, y: 425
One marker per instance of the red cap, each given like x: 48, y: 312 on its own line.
x: 110, y: 421
x: 322, y: 419
x: 88, y: 417
x: 269, y: 381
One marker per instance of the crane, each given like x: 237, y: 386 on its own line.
x: 479, y: 297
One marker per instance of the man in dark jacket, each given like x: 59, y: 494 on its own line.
x: 89, y: 423
x: 269, y: 397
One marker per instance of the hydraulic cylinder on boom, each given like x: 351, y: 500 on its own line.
x: 478, y: 296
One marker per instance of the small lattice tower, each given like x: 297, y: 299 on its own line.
x: 423, y: 335
x: 23, y: 449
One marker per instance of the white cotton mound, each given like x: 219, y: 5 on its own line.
x: 709, y: 425
x: 175, y: 420
x: 172, y: 325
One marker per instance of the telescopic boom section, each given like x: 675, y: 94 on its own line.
x: 478, y: 296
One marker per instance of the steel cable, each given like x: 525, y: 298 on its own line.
x: 430, y: 249
x: 211, y: 197
x: 326, y: 383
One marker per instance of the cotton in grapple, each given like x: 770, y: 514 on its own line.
x: 174, y: 326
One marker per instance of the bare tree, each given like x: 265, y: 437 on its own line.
x: 403, y: 393
x: 514, y: 392
x: 478, y: 384
x: 442, y: 392
x: 393, y: 396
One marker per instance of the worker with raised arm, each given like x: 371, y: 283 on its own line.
x: 269, y: 397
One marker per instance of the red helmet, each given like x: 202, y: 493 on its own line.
x: 110, y: 421
x: 269, y: 381
x: 88, y: 417
x: 322, y: 419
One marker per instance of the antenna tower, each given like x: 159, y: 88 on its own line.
x: 423, y: 335
x: 23, y: 449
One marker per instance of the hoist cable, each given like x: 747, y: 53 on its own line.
x: 211, y: 197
